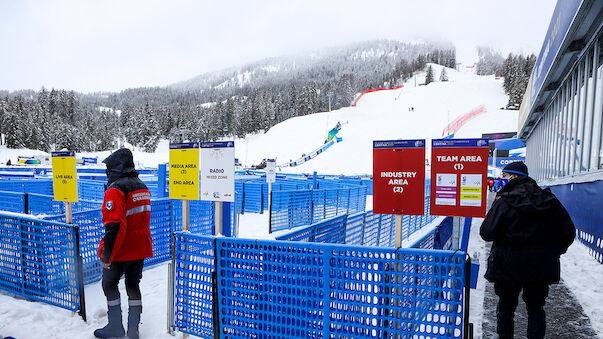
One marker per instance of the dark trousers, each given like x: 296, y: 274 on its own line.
x: 111, y: 276
x: 534, y: 295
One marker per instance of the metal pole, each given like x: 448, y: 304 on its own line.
x: 80, y: 273
x: 218, y: 218
x: 269, y: 192
x: 398, y: 223
x: 185, y: 215
x: 68, y: 212
x: 456, y: 231
x: 171, y: 284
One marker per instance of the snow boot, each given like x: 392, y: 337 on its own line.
x: 133, y: 320
x: 115, y: 327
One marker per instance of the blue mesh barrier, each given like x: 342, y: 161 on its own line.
x: 91, y: 232
x: 194, y: 263
x: 290, y: 209
x: 302, y: 234
x: 253, y: 197
x: 39, y: 186
x: 91, y: 189
x: 583, y: 203
x: 302, y: 207
x: 331, y: 231
x: 300, y: 290
x: 12, y: 202
x: 354, y: 228
x: 38, y: 261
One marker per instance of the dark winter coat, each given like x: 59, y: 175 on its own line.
x: 530, y: 230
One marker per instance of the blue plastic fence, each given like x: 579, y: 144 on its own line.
x: 331, y: 231
x: 310, y: 290
x: 303, y: 207
x: 40, y: 186
x: 38, y: 261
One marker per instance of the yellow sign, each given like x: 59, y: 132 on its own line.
x: 184, y: 171
x: 64, y: 176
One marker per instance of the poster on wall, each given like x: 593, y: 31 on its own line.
x: 399, y: 177
x: 217, y: 171
x: 459, y: 170
x: 64, y: 177
x: 184, y: 171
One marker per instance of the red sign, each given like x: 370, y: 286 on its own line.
x: 399, y: 177
x: 459, y: 169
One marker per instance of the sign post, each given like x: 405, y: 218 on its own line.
x: 217, y: 176
x: 64, y: 185
x: 270, y: 177
x: 399, y: 179
x: 184, y: 176
x: 459, y: 169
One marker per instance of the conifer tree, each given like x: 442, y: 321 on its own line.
x: 429, y: 75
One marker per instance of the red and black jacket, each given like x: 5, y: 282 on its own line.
x: 126, y: 212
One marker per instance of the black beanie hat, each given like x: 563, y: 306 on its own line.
x: 516, y: 167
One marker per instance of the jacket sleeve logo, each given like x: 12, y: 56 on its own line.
x: 109, y: 205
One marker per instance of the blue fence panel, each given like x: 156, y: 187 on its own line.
x: 253, y: 197
x: 354, y: 229
x: 91, y: 189
x: 300, y: 290
x: 39, y: 186
x: 91, y: 232
x: 38, y: 261
x: 331, y: 230
x: 44, y: 204
x: 387, y: 234
x: 194, y: 264
x: 239, y: 196
x: 371, y: 228
x: 290, y: 209
x: 302, y: 234
x: 12, y: 201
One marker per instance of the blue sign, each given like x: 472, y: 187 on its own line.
x: 502, y: 162
x: 217, y: 144
x: 563, y: 16
x: 184, y: 145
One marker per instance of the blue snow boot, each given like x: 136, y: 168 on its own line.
x: 133, y: 320
x: 115, y: 327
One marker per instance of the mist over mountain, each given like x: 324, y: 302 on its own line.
x: 231, y: 102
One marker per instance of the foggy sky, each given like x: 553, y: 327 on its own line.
x: 111, y: 45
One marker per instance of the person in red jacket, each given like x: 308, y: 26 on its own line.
x: 127, y: 242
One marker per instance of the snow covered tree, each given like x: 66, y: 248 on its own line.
x: 443, y: 75
x: 429, y: 75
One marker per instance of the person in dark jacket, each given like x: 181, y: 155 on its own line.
x: 127, y: 242
x: 530, y: 230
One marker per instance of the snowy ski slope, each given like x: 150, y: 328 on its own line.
x: 383, y: 115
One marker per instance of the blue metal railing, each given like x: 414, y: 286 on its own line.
x: 311, y: 290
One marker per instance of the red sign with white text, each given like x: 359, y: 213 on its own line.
x: 399, y: 177
x: 459, y: 169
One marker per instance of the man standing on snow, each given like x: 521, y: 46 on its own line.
x: 530, y: 230
x: 127, y: 241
